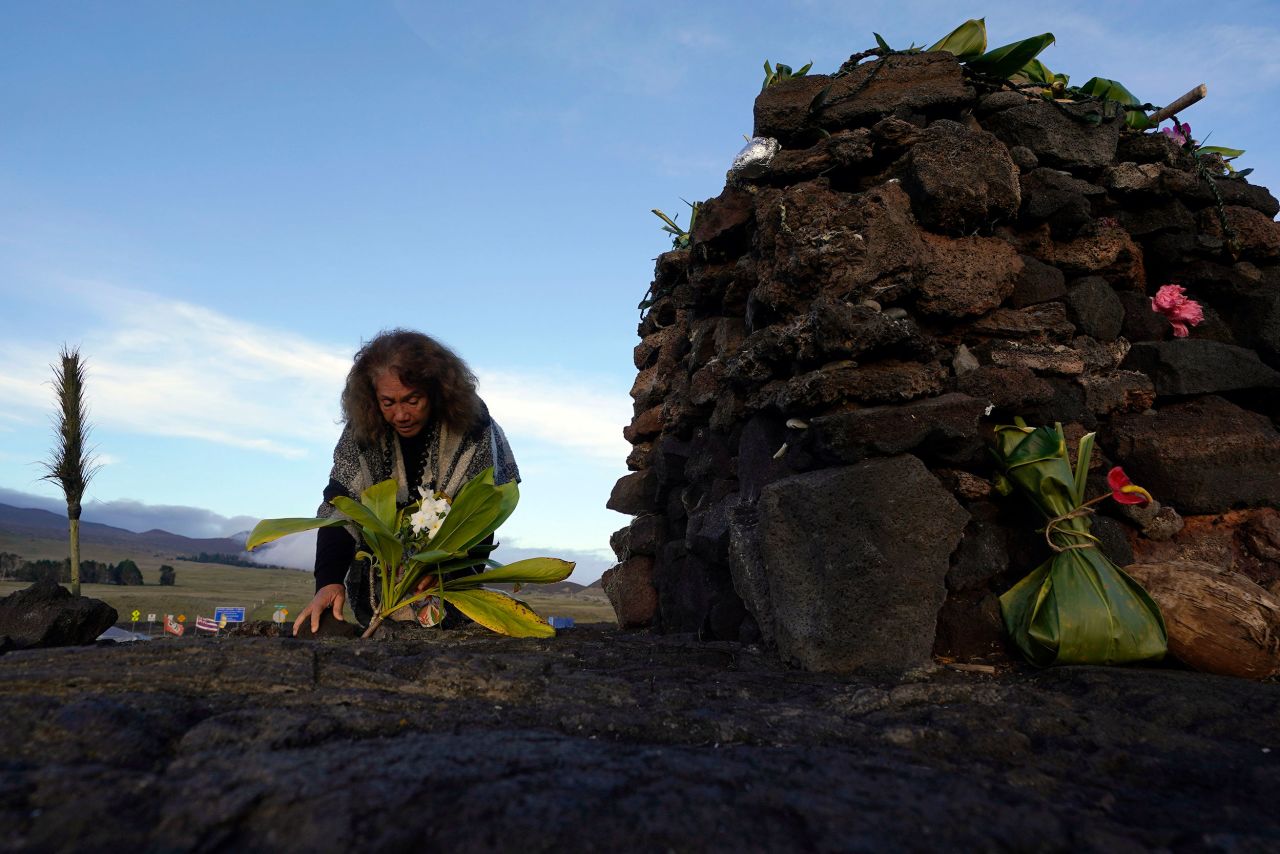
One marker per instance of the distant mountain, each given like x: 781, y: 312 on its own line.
x: 28, y: 522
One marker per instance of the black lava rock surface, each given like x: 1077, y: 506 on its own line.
x: 601, y: 740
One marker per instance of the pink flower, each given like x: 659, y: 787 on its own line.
x: 1124, y: 491
x: 1171, y: 301
x: 1179, y: 133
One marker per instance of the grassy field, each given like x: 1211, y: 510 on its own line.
x: 201, y: 587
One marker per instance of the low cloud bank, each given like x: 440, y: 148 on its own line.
x: 139, y: 517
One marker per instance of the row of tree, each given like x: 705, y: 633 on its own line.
x: 227, y: 559
x: 126, y: 572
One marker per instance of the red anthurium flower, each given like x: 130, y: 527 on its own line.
x: 1124, y: 491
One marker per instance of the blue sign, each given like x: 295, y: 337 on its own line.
x: 232, y: 615
x: 560, y: 622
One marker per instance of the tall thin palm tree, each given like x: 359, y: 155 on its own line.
x: 70, y: 466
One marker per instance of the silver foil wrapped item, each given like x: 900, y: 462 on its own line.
x: 754, y: 158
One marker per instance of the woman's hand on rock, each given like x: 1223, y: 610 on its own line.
x: 331, y: 595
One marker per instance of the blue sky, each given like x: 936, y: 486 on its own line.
x: 217, y: 202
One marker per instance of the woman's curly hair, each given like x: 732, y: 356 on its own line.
x: 421, y: 363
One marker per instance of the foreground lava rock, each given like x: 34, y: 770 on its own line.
x: 604, y: 740
x: 46, y: 614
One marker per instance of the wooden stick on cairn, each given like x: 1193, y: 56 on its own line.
x: 1179, y: 105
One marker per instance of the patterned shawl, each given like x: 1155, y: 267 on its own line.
x: 449, y: 461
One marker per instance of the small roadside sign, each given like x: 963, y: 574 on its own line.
x: 231, y: 615
x: 280, y: 615
x: 172, y: 626
x: 136, y: 615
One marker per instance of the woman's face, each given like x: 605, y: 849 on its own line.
x: 406, y: 409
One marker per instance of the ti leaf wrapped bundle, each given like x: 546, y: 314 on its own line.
x: 1077, y: 607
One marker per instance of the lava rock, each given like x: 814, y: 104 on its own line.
x: 1107, y: 251
x: 1046, y: 321
x: 1093, y: 306
x: 629, y: 586
x: 960, y: 180
x: 1118, y: 391
x: 1049, y: 195
x: 909, y: 82
x: 331, y: 627
x: 1258, y: 235
x: 856, y: 559
x: 1057, y: 134
x: 1202, y: 456
x: 840, y: 382
x: 1192, y: 366
x: 635, y: 493
x: 815, y: 240
x: 46, y: 614
x: 967, y: 275
x: 1038, y: 282
x: 945, y: 428
x: 1009, y: 388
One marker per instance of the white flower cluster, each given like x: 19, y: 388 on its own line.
x: 430, y: 515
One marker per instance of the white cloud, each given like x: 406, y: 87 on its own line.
x: 159, y: 366
x: 560, y: 411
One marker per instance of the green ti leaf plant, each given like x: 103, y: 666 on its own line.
x: 404, y: 555
x: 680, y: 237
x: 782, y: 72
x: 1077, y: 607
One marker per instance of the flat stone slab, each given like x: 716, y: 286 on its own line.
x: 612, y: 741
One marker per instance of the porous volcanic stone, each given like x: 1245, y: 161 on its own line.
x: 1202, y: 456
x: 856, y: 557
x: 919, y: 82
x: 967, y: 275
x: 1046, y: 320
x: 945, y: 428
x: 1053, y: 196
x: 1038, y: 282
x: 1237, y: 191
x: 838, y: 151
x: 959, y: 179
x: 1108, y: 251
x: 46, y: 614
x: 1193, y: 366
x: 1050, y: 358
x: 1255, y: 321
x: 880, y: 382
x: 1093, y: 306
x: 629, y: 586
x: 1057, y: 138
x: 724, y: 223
x: 634, y: 493
x: 1118, y: 391
x: 812, y: 239
x: 1258, y: 235
x: 1010, y: 388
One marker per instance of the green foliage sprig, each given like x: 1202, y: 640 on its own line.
x: 680, y: 237
x: 70, y: 465
x: 404, y: 555
x: 782, y: 72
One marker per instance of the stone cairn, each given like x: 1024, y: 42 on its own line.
x: 820, y: 371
